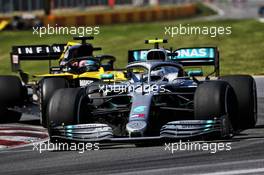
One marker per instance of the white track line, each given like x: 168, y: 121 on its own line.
x: 174, y: 169
x: 22, y: 131
x: 235, y: 172
x: 14, y: 149
x: 219, y: 11
x: 22, y: 126
x: 19, y: 138
x: 2, y: 147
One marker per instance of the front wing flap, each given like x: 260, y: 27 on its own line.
x: 175, y: 130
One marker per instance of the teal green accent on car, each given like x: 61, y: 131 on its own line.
x: 195, y: 53
x: 69, y: 127
x: 195, y: 73
x: 107, y: 76
x: 209, y: 121
x: 139, y: 109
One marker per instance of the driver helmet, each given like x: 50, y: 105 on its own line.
x: 76, y: 51
x: 157, y: 54
x: 88, y: 65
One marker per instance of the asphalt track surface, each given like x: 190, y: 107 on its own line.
x: 233, y: 9
x: 245, y: 157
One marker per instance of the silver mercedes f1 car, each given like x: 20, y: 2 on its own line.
x: 161, y: 99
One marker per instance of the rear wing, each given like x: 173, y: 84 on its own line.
x: 137, y: 55
x: 198, y: 56
x: 35, y: 53
x: 195, y: 56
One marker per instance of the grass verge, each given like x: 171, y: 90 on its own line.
x: 240, y: 53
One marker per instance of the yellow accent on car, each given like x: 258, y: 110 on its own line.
x: 155, y: 41
x: 3, y: 24
x: 118, y: 75
x: 69, y: 44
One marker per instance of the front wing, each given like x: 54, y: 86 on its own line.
x: 175, y: 130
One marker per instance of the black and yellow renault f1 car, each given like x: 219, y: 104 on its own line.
x: 77, y: 66
x: 160, y: 100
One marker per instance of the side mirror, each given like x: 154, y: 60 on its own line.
x: 55, y: 69
x: 128, y: 74
x: 193, y: 73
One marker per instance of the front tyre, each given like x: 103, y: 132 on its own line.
x: 66, y: 107
x: 246, y: 95
x: 214, y: 99
x: 47, y: 88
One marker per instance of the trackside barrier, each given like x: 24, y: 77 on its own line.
x: 4, y: 18
x: 123, y: 16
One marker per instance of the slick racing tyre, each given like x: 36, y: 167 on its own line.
x: 9, y: 116
x: 246, y: 95
x: 214, y: 99
x: 12, y: 94
x: 66, y: 107
x: 48, y: 87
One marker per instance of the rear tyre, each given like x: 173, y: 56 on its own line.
x: 12, y: 94
x: 213, y: 99
x: 66, y: 107
x: 48, y: 87
x: 9, y: 116
x: 246, y: 95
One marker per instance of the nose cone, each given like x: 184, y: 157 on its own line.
x: 136, y: 128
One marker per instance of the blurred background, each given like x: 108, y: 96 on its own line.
x: 11, y: 6
x: 28, y: 13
